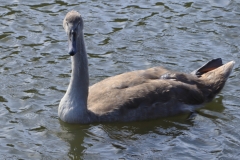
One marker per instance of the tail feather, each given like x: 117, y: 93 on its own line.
x: 211, y: 65
x: 216, y: 78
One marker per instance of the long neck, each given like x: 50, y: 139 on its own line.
x: 79, y: 83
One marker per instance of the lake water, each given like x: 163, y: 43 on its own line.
x: 120, y: 36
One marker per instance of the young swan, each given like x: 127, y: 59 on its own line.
x: 137, y: 95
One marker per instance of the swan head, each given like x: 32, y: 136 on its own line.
x: 73, y: 25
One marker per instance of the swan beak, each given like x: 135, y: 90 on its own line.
x: 72, y: 44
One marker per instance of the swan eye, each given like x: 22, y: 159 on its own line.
x: 79, y: 22
x: 72, y: 33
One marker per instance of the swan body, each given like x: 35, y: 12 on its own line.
x: 138, y: 95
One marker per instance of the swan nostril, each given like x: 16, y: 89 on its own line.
x: 71, y: 52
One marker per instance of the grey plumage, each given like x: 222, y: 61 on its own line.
x: 137, y: 95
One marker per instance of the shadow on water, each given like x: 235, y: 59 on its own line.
x: 98, y: 141
x: 124, y: 140
x: 214, y: 109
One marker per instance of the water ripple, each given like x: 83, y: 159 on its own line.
x: 120, y: 36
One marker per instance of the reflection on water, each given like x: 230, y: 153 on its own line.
x: 120, y: 36
x: 155, y: 139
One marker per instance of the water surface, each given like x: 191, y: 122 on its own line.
x: 120, y: 36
